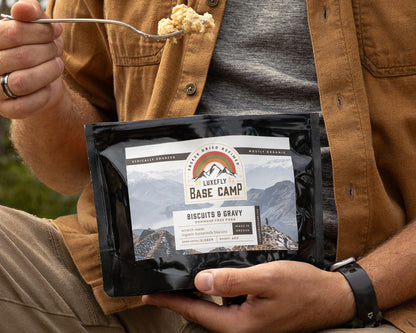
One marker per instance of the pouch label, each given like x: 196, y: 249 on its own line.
x: 221, y: 227
x: 228, y: 193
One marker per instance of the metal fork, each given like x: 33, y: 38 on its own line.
x: 90, y: 20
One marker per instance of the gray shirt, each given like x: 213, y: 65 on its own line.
x: 263, y: 63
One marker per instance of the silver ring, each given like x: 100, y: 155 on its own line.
x: 5, y: 86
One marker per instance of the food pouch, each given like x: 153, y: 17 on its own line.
x: 179, y: 195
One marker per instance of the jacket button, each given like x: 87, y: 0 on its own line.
x: 212, y: 3
x: 190, y: 89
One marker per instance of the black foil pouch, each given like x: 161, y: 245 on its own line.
x: 179, y: 195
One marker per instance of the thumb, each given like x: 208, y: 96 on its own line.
x: 230, y: 282
x: 27, y: 10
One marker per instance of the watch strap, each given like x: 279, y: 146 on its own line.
x: 368, y: 312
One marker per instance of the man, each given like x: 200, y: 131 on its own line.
x: 364, y: 63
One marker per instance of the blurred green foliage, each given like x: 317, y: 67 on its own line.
x: 21, y: 190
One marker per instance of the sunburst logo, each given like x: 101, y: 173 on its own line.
x: 214, y: 172
x: 214, y: 162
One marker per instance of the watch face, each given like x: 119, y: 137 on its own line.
x: 341, y: 263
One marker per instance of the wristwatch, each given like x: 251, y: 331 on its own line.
x: 368, y: 313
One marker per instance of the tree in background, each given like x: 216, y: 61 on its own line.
x: 18, y: 187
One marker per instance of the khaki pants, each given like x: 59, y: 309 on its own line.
x: 41, y: 290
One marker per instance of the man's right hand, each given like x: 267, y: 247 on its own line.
x: 31, y: 53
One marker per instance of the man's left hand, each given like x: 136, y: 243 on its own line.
x: 282, y: 296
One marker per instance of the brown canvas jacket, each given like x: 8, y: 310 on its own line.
x: 365, y: 55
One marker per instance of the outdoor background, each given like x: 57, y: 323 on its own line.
x: 18, y: 187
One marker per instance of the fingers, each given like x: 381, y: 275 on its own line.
x: 30, y: 53
x: 25, y: 82
x: 232, y: 282
x: 29, y: 105
x: 27, y: 10
x: 16, y: 33
x: 205, y: 313
x: 24, y: 57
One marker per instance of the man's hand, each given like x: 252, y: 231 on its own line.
x: 48, y: 117
x: 283, y: 296
x: 31, y: 54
